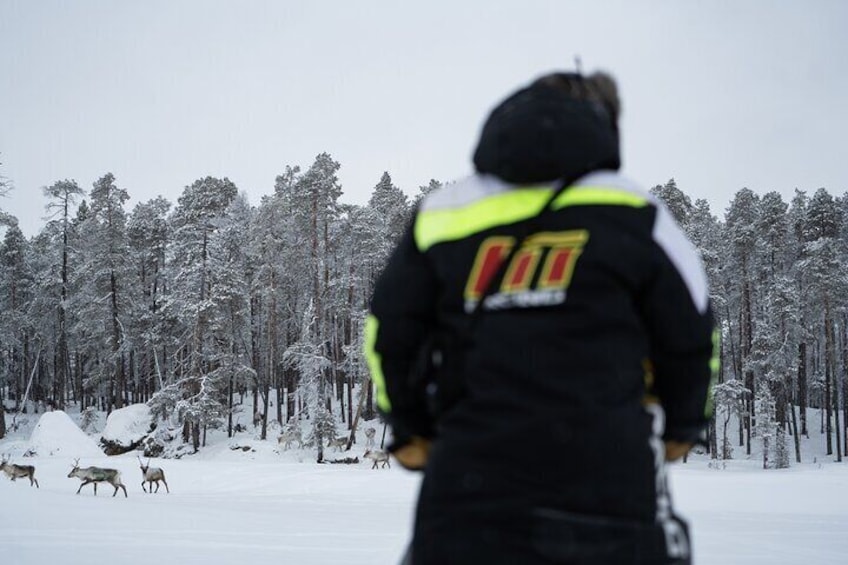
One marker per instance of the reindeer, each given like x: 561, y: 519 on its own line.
x: 339, y: 443
x: 369, y: 438
x: 15, y: 471
x: 97, y: 475
x: 378, y: 457
x: 151, y: 476
x: 288, y: 437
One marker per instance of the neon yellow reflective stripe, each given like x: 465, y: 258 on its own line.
x: 715, y: 365
x: 437, y: 226
x: 372, y: 325
x: 451, y: 224
x: 596, y: 195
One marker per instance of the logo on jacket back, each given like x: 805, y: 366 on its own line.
x: 538, y: 275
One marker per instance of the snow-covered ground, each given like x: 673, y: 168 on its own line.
x: 262, y: 506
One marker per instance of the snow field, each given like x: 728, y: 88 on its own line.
x: 270, y: 506
x: 217, y: 512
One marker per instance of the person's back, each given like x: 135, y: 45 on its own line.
x: 551, y: 448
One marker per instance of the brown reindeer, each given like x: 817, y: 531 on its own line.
x: 16, y: 471
x: 94, y: 475
x: 151, y: 476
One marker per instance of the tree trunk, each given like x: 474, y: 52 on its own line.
x: 747, y: 337
x: 802, y: 385
x: 369, y: 403
x: 230, y: 401
x: 120, y: 376
x: 350, y: 400
x: 795, y: 435
x: 291, y: 397
x: 837, y: 426
x: 828, y: 375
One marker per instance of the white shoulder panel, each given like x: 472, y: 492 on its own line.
x: 463, y: 192
x: 683, y: 256
x: 477, y: 186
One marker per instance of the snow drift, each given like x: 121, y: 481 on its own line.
x: 126, y: 428
x: 57, y: 435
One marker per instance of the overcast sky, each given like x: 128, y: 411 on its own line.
x: 719, y: 95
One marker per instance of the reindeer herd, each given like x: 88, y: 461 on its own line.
x: 150, y: 475
x: 91, y: 475
x: 292, y: 435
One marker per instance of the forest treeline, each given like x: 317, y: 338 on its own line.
x: 212, y: 307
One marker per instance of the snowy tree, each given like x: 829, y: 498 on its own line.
x: 62, y: 196
x: 797, y: 218
x: 148, y: 236
x: 741, y: 235
x: 678, y: 203
x: 766, y: 425
x: 390, y: 210
x: 229, y: 293
x: 825, y: 281
x: 16, y: 280
x: 5, y: 187
x: 103, y: 301
x: 199, y: 214
x: 424, y: 190
x: 729, y: 398
x: 308, y: 357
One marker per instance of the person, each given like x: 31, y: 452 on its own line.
x: 541, y: 343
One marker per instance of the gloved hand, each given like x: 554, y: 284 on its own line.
x: 413, y: 453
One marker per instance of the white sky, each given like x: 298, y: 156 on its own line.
x: 719, y: 95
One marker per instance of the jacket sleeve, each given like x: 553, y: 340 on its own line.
x: 402, y: 316
x: 680, y: 325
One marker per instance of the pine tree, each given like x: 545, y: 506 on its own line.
x: 825, y: 281
x: 104, y: 292
x: 62, y: 196
x: 5, y: 218
x: 740, y: 225
x: 678, y: 203
x: 16, y: 281
x: 148, y: 236
x: 229, y: 292
x: 199, y: 214
x: 308, y: 357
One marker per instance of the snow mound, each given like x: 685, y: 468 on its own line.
x: 57, y: 435
x: 127, y: 427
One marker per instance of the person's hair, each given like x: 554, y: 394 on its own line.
x: 598, y: 87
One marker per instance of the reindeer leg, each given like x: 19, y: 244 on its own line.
x: 95, y: 488
x: 142, y: 486
x: 166, y: 486
x: 125, y: 491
